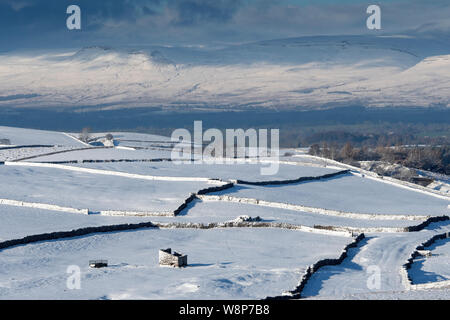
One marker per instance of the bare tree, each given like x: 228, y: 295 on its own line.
x: 314, y: 150
x: 325, y: 150
x: 347, y: 151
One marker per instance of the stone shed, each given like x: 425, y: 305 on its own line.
x: 175, y: 259
x: 98, y: 263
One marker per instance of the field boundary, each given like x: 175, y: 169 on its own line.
x: 44, y: 206
x: 87, y: 231
x: 112, y: 173
x: 291, y: 181
x: 415, y: 228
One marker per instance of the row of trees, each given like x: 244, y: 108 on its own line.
x: 431, y: 158
x: 366, y: 134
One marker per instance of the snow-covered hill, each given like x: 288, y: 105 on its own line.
x: 64, y: 207
x: 309, y: 72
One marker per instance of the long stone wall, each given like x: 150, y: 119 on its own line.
x: 415, y: 228
x: 107, y: 161
x: 27, y: 146
x: 44, y: 206
x: 157, y: 225
x: 251, y: 224
x: 73, y: 233
x: 301, y: 179
x: 426, y: 223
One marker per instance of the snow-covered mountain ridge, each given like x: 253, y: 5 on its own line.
x: 310, y: 72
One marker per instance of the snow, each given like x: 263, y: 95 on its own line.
x: 18, y: 222
x: 21, y: 136
x: 12, y: 154
x: 105, y: 154
x: 251, y: 260
x: 94, y: 192
x: 110, y: 172
x: 234, y: 171
x: 347, y: 193
x: 310, y: 71
x: 388, y: 252
x: 237, y: 266
x: 223, y: 211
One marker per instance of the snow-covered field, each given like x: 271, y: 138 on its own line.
x: 223, y: 270
x: 92, y: 191
x: 21, y: 136
x: 16, y: 153
x: 387, y: 252
x: 300, y: 223
x: 243, y: 263
x: 232, y: 171
x: 105, y: 154
x: 18, y: 222
x: 347, y: 193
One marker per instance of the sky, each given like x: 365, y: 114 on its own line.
x: 42, y: 23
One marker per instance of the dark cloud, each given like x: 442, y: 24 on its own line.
x: 41, y: 23
x: 195, y: 12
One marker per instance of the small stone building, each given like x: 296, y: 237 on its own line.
x: 175, y: 259
x: 98, y: 263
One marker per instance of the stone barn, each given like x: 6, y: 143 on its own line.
x: 175, y: 259
x: 98, y: 263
